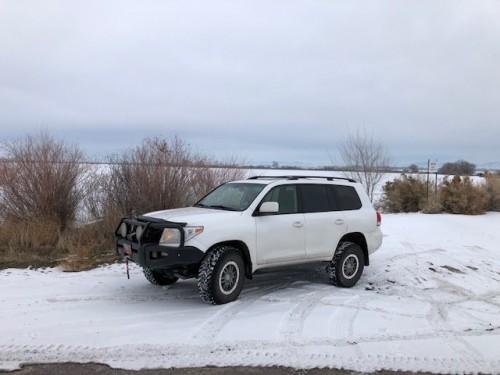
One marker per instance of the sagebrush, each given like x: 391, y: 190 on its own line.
x: 492, y: 190
x: 460, y: 196
x: 406, y: 194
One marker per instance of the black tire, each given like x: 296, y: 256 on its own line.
x: 221, y: 275
x: 158, y: 276
x: 347, y: 265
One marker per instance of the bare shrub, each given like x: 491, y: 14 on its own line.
x: 40, y: 180
x: 158, y: 174
x: 96, y: 200
x: 432, y: 205
x: 492, y: 190
x: 41, y: 188
x: 461, y: 196
x: 406, y: 194
x: 152, y: 176
x: 205, y: 177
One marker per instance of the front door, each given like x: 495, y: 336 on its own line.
x: 281, y: 237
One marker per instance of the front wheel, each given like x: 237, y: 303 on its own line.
x: 347, y: 265
x: 221, y: 275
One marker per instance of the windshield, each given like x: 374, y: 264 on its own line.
x: 232, y: 197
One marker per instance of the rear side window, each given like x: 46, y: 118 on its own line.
x: 347, y: 197
x: 314, y: 198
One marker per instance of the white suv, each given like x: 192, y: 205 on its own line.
x: 245, y: 226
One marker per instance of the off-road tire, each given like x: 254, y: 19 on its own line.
x: 158, y: 276
x: 221, y: 275
x: 347, y: 265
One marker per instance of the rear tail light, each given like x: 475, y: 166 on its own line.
x: 379, y: 219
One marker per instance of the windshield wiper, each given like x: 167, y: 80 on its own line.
x: 200, y: 205
x: 215, y: 206
x: 221, y: 207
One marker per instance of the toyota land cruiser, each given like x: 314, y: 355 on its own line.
x: 245, y: 226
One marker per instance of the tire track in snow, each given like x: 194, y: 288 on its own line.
x: 413, y: 272
x: 126, y: 298
x: 210, y: 328
x: 437, y: 317
x: 293, y: 323
x: 167, y: 294
x: 265, y: 353
x: 343, y: 322
x: 413, y: 253
x: 128, y: 349
x: 440, y: 307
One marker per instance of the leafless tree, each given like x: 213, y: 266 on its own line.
x: 158, y: 174
x: 366, y: 159
x: 154, y: 175
x: 209, y: 173
x: 41, y: 180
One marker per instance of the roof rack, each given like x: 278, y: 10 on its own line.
x: 329, y: 178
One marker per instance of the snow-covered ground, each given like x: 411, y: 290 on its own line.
x: 429, y: 301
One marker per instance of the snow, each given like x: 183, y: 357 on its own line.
x: 429, y: 301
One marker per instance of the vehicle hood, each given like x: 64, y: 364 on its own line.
x: 193, y: 215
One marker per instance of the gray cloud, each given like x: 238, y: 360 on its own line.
x: 271, y: 80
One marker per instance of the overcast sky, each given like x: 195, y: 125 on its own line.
x: 265, y: 80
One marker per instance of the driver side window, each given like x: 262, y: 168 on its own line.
x: 286, y: 196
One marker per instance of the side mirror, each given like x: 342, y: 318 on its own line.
x: 269, y: 208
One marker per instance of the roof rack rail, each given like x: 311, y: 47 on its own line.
x: 329, y: 178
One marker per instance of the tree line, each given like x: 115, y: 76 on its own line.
x: 57, y: 205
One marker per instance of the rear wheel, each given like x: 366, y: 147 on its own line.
x: 347, y: 265
x: 221, y: 275
x: 158, y: 276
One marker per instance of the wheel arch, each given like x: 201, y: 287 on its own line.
x: 240, y: 245
x: 357, y: 238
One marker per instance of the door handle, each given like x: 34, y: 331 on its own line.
x: 297, y: 224
x: 339, y: 222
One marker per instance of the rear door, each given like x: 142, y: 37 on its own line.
x: 359, y: 217
x: 325, y: 223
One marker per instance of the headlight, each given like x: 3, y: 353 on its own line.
x: 138, y: 232
x: 123, y: 230
x: 170, y: 237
